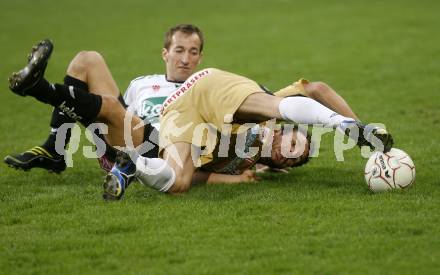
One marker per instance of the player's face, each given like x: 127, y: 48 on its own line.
x: 297, y: 149
x: 182, y: 57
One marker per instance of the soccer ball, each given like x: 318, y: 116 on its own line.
x: 391, y: 170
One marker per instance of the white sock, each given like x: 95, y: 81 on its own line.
x: 308, y: 111
x: 155, y: 172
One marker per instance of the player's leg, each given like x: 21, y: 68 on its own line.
x: 44, y: 156
x: 83, y: 107
x: 90, y: 67
x: 78, y: 104
x: 87, y: 107
x: 178, y: 156
x: 87, y: 70
x: 328, y: 97
x: 262, y: 106
x: 172, y: 174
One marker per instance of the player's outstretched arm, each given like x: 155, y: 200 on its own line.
x: 248, y: 176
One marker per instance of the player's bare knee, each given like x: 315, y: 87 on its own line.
x: 181, y: 185
x: 317, y: 90
x: 82, y: 62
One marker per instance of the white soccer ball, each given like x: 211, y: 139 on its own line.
x: 391, y: 170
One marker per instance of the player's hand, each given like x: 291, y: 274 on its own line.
x: 249, y: 176
x: 261, y: 168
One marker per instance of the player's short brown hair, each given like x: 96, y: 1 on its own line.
x: 185, y: 28
x: 303, y: 159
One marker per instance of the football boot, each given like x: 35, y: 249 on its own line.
x: 375, y: 137
x: 119, y: 177
x: 20, y: 82
x: 37, y: 157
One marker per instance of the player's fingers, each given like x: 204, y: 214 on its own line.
x: 250, y: 176
x: 261, y: 168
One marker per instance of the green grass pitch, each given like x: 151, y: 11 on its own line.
x: 382, y: 56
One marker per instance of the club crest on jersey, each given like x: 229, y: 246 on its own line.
x: 156, y: 87
x: 151, y: 108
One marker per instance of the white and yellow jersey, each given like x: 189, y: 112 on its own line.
x: 146, y: 94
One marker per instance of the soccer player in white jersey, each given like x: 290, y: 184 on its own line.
x: 182, y: 52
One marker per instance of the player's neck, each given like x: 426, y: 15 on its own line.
x: 172, y: 80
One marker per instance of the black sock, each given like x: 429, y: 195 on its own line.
x: 49, y: 145
x: 59, y: 118
x: 76, y: 103
x: 41, y: 91
x: 72, y: 81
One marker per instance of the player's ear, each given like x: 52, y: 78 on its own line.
x: 200, y: 59
x: 165, y: 54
